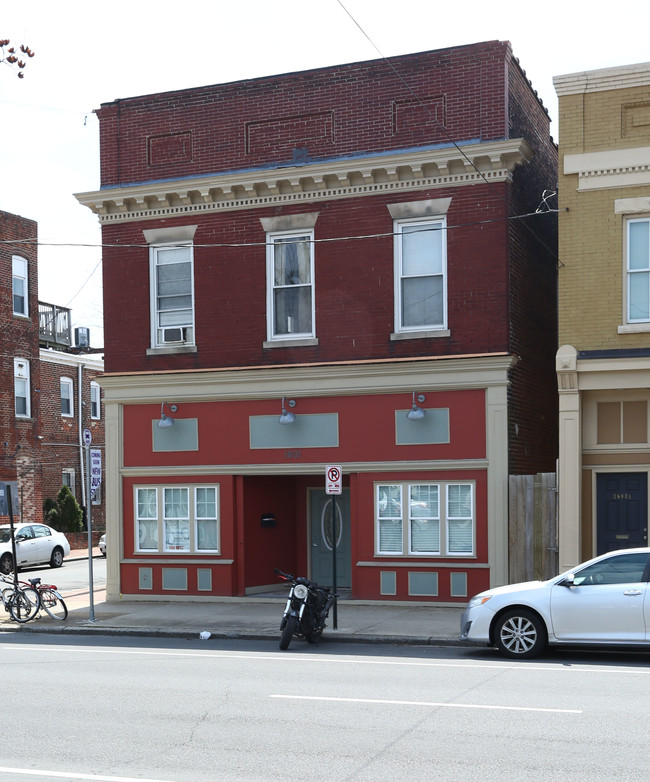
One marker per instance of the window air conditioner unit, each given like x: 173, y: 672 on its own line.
x: 171, y: 336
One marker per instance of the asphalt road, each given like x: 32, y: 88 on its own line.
x: 72, y: 577
x: 119, y: 709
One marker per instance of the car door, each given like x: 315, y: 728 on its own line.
x: 25, y: 552
x: 606, y: 602
x: 43, y: 543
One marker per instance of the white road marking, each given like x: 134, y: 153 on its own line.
x: 427, y: 703
x: 72, y: 775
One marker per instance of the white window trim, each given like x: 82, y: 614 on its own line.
x: 193, y: 519
x: 95, y: 404
x: 444, y: 520
x: 404, y: 332
x: 295, y: 337
x: 22, y: 274
x: 71, y: 473
x: 188, y: 330
x: 67, y: 382
x: 631, y: 326
x: 22, y: 372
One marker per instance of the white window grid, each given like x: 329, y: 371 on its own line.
x: 300, y: 238
x: 67, y: 397
x: 20, y: 287
x: 95, y: 401
x: 22, y: 391
x: 435, y: 229
x: 637, y: 263
x: 177, y: 320
x: 451, y: 509
x: 177, y: 519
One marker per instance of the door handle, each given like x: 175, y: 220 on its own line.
x: 313, y: 542
x: 632, y: 592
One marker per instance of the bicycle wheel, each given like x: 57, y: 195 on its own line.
x: 53, y: 604
x: 7, y: 595
x: 25, y: 605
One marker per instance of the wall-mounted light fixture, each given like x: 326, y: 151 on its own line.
x: 287, y: 417
x: 166, y: 420
x: 416, y: 413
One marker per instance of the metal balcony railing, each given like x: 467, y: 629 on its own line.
x: 54, y: 325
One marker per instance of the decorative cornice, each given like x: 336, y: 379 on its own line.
x: 610, y: 168
x: 341, y: 178
x: 603, y: 79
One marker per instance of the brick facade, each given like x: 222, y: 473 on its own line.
x: 36, y: 449
x: 350, y: 146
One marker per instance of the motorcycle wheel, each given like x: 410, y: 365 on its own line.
x: 288, y: 631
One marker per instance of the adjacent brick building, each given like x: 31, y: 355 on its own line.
x: 603, y: 364
x: 42, y: 413
x: 341, y: 249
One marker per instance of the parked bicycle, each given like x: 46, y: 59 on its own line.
x: 24, y: 600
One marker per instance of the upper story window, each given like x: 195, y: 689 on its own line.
x: 290, y: 282
x: 21, y: 388
x: 420, y: 275
x: 95, y: 401
x: 19, y: 285
x: 638, y: 270
x: 172, y: 287
x: 67, y: 397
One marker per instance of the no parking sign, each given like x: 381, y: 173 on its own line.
x: 333, y: 479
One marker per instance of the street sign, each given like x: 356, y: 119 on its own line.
x: 333, y: 479
x: 88, y: 437
x: 95, y: 470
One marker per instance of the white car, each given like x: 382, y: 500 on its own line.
x: 605, y: 601
x: 36, y: 544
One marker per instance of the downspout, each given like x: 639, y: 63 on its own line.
x: 81, y: 442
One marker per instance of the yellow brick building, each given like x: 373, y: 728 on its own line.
x: 603, y: 363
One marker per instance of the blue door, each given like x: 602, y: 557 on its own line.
x: 323, y: 531
x: 622, y: 510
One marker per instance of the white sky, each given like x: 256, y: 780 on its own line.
x: 89, y: 53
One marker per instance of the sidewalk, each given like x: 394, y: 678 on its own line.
x: 254, y: 617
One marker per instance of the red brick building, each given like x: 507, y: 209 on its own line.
x: 342, y: 246
x: 42, y: 413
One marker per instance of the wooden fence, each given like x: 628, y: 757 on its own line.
x: 532, y: 527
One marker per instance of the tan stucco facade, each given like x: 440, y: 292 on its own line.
x: 603, y: 364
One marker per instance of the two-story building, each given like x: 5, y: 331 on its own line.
x: 338, y: 267
x: 49, y: 388
x: 603, y: 364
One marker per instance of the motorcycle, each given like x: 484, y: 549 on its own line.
x: 307, y: 608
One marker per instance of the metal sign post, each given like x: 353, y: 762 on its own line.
x: 88, y: 438
x: 334, y: 486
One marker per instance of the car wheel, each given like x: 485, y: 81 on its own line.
x: 56, y: 560
x: 520, y: 634
x: 6, y: 564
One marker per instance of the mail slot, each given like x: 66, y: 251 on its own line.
x: 622, y: 537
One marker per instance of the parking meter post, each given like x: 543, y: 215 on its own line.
x: 89, y: 503
x: 334, y: 542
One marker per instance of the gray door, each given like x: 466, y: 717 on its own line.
x: 622, y: 510
x: 322, y: 537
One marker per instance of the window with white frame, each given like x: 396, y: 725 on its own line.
x: 638, y: 270
x: 420, y: 275
x: 22, y: 403
x: 67, y: 397
x: 425, y: 519
x: 95, y: 401
x: 172, y: 286
x: 20, y: 287
x: 68, y: 478
x: 177, y: 519
x: 290, y: 282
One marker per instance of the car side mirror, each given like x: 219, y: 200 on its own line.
x: 568, y: 580
x: 20, y: 538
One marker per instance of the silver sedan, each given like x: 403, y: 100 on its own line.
x: 600, y: 602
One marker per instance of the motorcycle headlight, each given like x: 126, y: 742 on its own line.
x: 300, y: 591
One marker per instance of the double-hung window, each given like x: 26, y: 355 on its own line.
x: 177, y: 519
x: 638, y: 271
x: 21, y: 388
x: 20, y: 287
x: 420, y: 275
x: 95, y: 401
x: 67, y: 397
x: 172, y: 286
x: 290, y: 276
x: 425, y: 519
